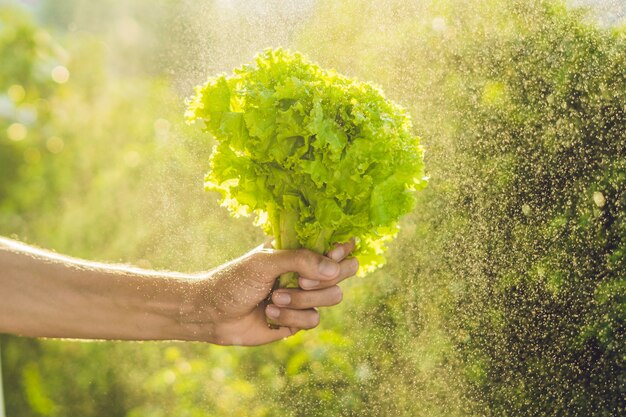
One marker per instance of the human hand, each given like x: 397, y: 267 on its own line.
x: 231, y: 304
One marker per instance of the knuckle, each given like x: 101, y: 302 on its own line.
x: 334, y: 282
x: 305, y: 258
x: 285, y: 314
x: 337, y: 294
x: 305, y: 299
x: 298, y: 299
x: 355, y: 265
x: 314, y: 320
x: 260, y: 260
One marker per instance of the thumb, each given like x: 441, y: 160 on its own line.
x: 306, y: 263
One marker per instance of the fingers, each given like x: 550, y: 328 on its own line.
x: 294, y: 308
x: 300, y: 300
x: 340, y: 251
x: 293, y: 319
x: 305, y: 262
x: 348, y: 268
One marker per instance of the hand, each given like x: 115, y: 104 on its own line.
x: 234, y: 297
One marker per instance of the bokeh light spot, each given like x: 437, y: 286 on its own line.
x: 16, y: 93
x: 132, y: 159
x: 599, y: 199
x: 17, y: 132
x: 439, y: 24
x: 129, y: 31
x: 162, y: 128
x: 55, y: 144
x: 60, y: 74
x: 169, y: 376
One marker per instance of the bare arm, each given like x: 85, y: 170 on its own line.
x: 43, y: 294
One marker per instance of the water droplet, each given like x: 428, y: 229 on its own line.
x: 363, y: 372
x: 439, y: 24
x: 598, y: 199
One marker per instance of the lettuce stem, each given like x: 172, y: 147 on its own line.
x: 284, y: 223
x: 285, y: 237
x: 288, y: 240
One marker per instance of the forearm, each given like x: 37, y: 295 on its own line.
x: 46, y: 295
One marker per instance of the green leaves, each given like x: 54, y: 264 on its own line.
x: 328, y: 152
x: 326, y: 131
x: 389, y: 201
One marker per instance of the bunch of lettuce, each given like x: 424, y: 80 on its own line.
x: 317, y: 157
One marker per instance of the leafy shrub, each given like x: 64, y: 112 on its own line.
x: 542, y: 196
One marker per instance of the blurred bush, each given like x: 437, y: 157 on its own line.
x: 542, y: 196
x: 28, y: 58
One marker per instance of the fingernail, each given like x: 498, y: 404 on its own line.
x: 328, y: 268
x: 337, y: 253
x: 281, y: 298
x: 272, y: 311
x: 308, y: 283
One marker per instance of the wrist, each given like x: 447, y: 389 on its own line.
x: 192, y: 313
x: 161, y: 306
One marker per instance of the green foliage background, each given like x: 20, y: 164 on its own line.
x: 505, y: 293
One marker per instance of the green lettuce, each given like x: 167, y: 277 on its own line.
x: 317, y: 157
